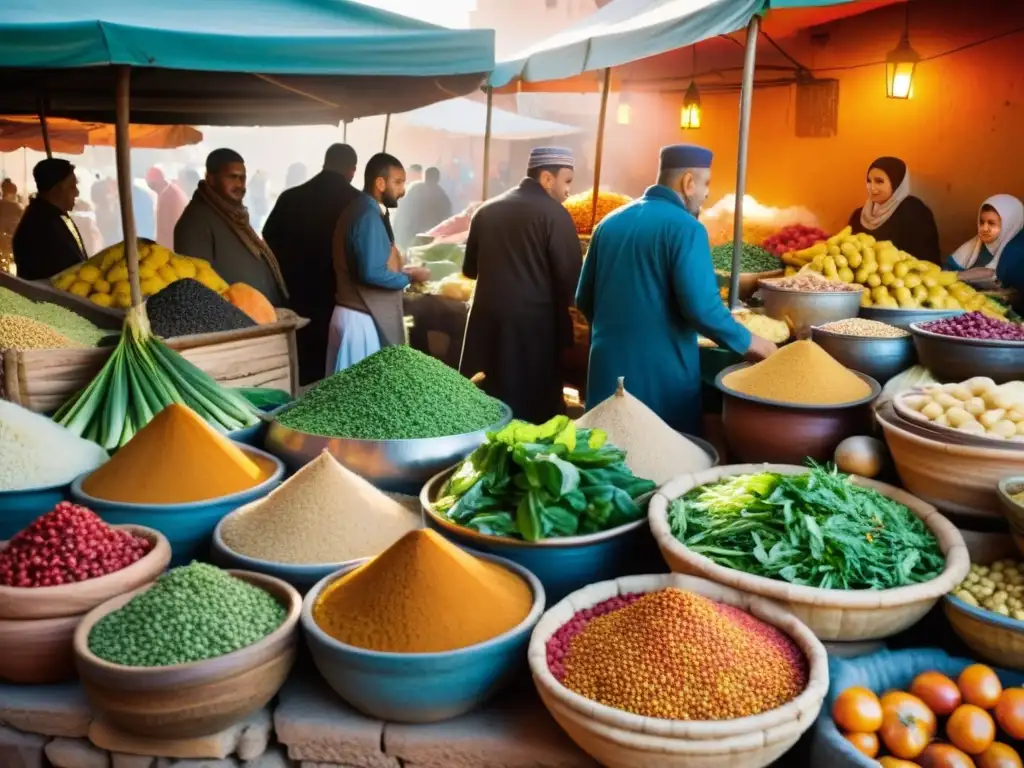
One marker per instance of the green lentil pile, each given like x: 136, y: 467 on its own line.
x: 395, y: 394
x: 753, y: 258
x: 63, y: 321
x: 191, y: 613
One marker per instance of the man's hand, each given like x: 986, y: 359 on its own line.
x: 417, y: 274
x: 759, y: 349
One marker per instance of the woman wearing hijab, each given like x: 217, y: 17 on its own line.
x: 892, y: 213
x: 997, y: 251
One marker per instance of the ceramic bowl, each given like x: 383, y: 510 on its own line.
x: 1012, y: 510
x: 618, y: 739
x: 562, y: 564
x: 19, y: 508
x: 188, y: 527
x: 832, y: 614
x: 420, y: 687
x: 993, y: 638
x: 764, y: 430
x: 184, y: 701
x: 21, y: 603
x: 38, y: 651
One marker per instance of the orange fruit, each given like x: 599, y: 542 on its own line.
x: 865, y: 743
x: 937, y: 691
x: 971, y: 729
x: 857, y: 710
x: 999, y: 755
x: 895, y: 762
x: 907, y: 724
x: 1010, y: 712
x: 980, y: 686
x: 944, y: 756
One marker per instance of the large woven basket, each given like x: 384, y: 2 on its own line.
x: 618, y: 739
x: 832, y: 614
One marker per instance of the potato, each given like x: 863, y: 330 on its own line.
x: 917, y: 402
x: 988, y: 418
x: 932, y: 411
x: 979, y: 385
x: 1015, y: 415
x: 946, y: 401
x: 959, y: 391
x: 941, y: 420
x: 1004, y: 429
x: 1020, y: 428
x: 957, y: 416
x: 973, y: 428
x: 975, y: 406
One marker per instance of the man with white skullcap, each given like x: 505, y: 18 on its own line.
x: 648, y: 288
x: 523, y: 250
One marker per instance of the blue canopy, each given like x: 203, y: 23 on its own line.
x: 230, y: 62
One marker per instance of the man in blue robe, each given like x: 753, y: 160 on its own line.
x: 648, y: 288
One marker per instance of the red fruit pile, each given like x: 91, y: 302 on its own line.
x: 67, y: 545
x: 795, y: 237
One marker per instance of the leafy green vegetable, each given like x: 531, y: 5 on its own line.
x: 541, y: 481
x: 816, y: 529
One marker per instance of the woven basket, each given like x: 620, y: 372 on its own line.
x: 618, y: 739
x: 832, y: 614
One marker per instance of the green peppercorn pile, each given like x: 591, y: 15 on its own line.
x: 395, y: 394
x: 753, y: 258
x: 191, y: 613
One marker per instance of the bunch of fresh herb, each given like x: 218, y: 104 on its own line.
x: 816, y: 529
x: 537, y: 482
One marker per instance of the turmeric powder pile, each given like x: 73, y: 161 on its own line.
x: 801, y: 373
x: 423, y: 595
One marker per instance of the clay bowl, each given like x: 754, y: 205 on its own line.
x: 783, y: 433
x: 184, y: 701
x: 1012, y: 509
x: 957, y: 478
x: 834, y: 615
x: 38, y: 651
x: 77, y: 599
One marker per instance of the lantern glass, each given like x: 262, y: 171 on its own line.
x: 689, y: 117
x: 899, y: 79
x: 623, y: 114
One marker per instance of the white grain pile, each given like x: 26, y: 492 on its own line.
x: 324, y: 513
x: 36, y: 453
x: 654, y: 451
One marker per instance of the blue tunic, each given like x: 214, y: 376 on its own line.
x: 647, y: 289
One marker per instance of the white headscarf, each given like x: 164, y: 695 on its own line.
x: 1011, y: 211
x: 874, y: 215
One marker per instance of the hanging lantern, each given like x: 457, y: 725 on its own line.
x: 689, y: 116
x: 899, y: 70
x: 623, y: 113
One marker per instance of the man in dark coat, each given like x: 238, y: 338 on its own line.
x: 524, y: 252
x: 426, y: 205
x: 47, y: 240
x: 300, y: 231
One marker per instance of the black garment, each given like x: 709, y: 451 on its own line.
x: 424, y: 207
x: 44, y: 244
x: 911, y: 228
x: 523, y: 249
x: 300, y: 232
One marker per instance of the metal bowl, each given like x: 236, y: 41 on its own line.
x: 951, y: 358
x: 401, y: 466
x: 802, y: 309
x: 879, y: 358
x: 902, y: 318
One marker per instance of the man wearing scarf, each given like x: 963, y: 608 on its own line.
x: 47, y: 240
x: 523, y: 250
x: 215, y: 226
x: 648, y: 288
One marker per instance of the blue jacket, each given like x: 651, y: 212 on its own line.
x: 647, y: 289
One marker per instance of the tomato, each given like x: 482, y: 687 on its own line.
x: 865, y: 743
x: 907, y: 724
x: 1010, y: 712
x: 857, y: 710
x: 980, y: 686
x: 971, y: 729
x: 937, y: 691
x: 999, y: 756
x: 895, y: 762
x: 944, y: 756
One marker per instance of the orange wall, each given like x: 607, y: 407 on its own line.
x: 962, y: 132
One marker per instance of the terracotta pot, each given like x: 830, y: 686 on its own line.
x: 38, y: 651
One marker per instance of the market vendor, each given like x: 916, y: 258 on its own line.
x: 47, y: 240
x: 300, y: 232
x: 892, y: 213
x: 525, y: 255
x: 368, y: 272
x: 648, y: 289
x: 997, y: 251
x: 215, y: 226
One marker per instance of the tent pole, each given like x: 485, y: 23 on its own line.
x: 387, y: 130
x: 746, y: 97
x: 44, y: 128
x: 124, y: 182
x: 599, y: 152
x: 487, y: 142
x: 344, y: 131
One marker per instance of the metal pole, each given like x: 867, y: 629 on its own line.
x: 487, y: 142
x: 124, y: 182
x: 746, y: 97
x: 344, y: 131
x: 599, y: 152
x: 43, y: 128
x: 387, y: 130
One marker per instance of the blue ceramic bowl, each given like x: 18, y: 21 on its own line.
x: 188, y: 527
x: 19, y: 508
x: 564, y: 564
x: 420, y: 687
x: 255, y: 434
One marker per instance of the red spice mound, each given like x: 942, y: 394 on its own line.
x: 66, y: 545
x: 677, y: 655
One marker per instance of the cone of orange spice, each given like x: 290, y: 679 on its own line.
x: 677, y: 655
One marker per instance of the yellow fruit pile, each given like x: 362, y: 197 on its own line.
x: 580, y: 208
x: 103, y: 279
x: 894, y: 279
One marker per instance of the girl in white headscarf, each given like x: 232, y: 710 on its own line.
x: 997, y: 251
